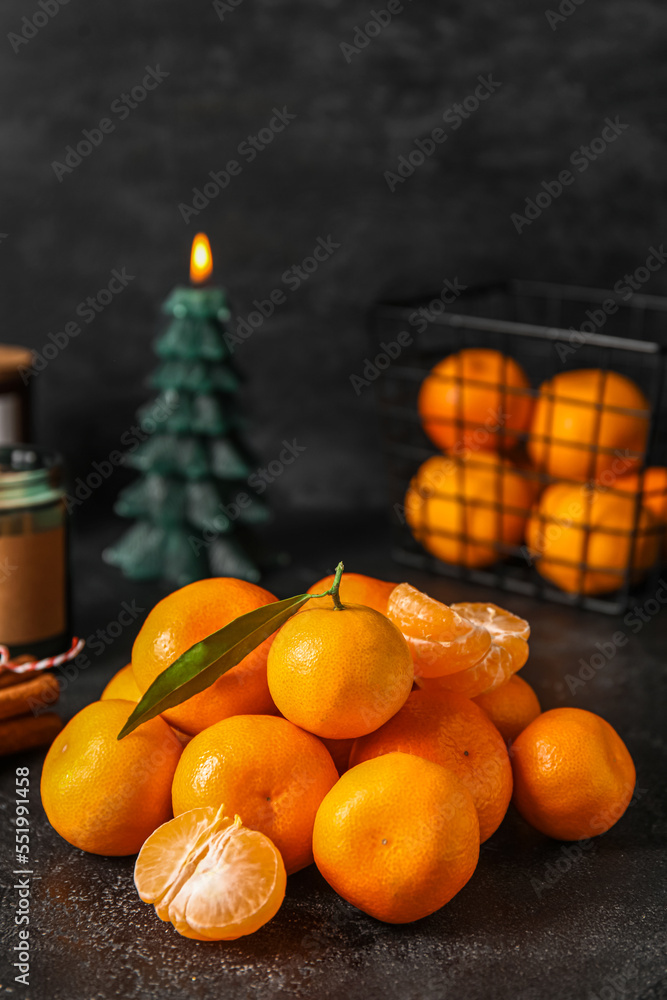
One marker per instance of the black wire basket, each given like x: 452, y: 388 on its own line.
x: 509, y: 480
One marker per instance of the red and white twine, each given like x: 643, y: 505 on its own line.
x: 34, y: 665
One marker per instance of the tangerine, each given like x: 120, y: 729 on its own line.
x: 583, y: 419
x: 469, y: 512
x: 450, y: 730
x: 395, y: 856
x: 511, y: 707
x: 340, y: 752
x: 339, y: 672
x: 573, y: 774
x: 122, y: 685
x: 654, y: 490
x: 105, y: 795
x: 477, y: 398
x: 268, y: 771
x: 583, y: 539
x: 186, y: 617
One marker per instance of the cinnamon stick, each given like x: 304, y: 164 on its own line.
x: 9, y: 677
x: 31, y: 696
x: 24, y: 732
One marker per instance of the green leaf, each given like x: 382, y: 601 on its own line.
x: 209, y: 659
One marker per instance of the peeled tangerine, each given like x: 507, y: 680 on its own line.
x: 210, y: 876
x: 467, y: 648
x: 507, y: 655
x: 440, y: 640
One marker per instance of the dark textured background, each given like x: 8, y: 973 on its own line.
x: 599, y: 931
x: 323, y: 175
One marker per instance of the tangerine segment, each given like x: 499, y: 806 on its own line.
x: 355, y: 588
x: 507, y: 655
x: 210, y: 876
x: 397, y: 836
x: 440, y: 640
x: 497, y: 620
x: 421, y: 616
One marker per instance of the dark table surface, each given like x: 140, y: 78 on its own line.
x: 539, y: 920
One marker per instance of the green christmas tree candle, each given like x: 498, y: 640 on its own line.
x: 193, y: 465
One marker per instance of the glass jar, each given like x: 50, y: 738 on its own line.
x: 34, y: 591
x: 15, y: 371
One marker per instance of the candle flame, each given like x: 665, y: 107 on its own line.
x: 201, y: 259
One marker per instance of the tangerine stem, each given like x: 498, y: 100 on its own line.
x: 335, y: 587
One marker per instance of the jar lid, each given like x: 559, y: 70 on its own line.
x: 12, y: 358
x: 29, y: 476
